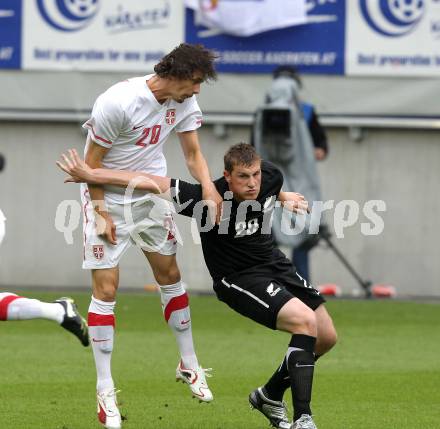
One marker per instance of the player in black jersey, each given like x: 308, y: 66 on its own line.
x: 250, y: 274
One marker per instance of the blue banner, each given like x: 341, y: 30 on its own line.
x: 10, y: 34
x: 316, y: 47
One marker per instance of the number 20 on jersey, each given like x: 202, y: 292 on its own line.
x: 149, y: 136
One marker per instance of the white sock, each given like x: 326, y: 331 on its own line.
x: 21, y: 308
x: 101, y: 320
x: 176, y: 312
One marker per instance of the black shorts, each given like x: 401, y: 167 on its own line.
x: 260, y: 292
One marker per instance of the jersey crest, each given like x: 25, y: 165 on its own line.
x: 170, y: 117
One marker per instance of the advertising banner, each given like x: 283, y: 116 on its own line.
x: 10, y: 34
x: 342, y: 37
x: 99, y: 34
x: 396, y: 38
x: 315, y: 47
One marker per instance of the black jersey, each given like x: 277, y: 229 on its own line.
x: 243, y: 238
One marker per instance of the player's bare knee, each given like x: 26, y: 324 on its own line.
x: 329, y: 340
x: 307, y: 322
x: 105, y: 284
x: 168, y: 277
x: 324, y: 345
x: 105, y: 292
x: 327, y: 335
x: 296, y: 318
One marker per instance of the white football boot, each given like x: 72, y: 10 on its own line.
x: 304, y: 422
x: 196, y: 380
x: 108, y: 412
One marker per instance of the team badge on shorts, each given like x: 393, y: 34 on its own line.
x: 170, y: 116
x: 98, y: 251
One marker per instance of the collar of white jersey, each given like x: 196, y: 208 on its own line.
x: 151, y: 97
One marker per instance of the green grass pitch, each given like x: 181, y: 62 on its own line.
x: 384, y: 372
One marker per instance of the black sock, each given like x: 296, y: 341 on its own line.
x: 279, y: 382
x: 301, y: 364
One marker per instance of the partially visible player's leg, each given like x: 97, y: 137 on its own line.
x: 14, y: 307
x: 63, y: 311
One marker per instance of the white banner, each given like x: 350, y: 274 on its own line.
x: 248, y: 17
x: 100, y: 34
x: 396, y: 38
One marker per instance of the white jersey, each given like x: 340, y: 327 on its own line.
x: 129, y: 121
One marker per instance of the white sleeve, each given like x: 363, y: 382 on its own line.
x: 192, y: 118
x: 106, y: 121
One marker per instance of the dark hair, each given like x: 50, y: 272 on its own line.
x: 185, y: 60
x: 287, y: 71
x: 240, y: 154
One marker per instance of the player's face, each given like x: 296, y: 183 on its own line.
x: 186, y: 88
x: 244, y: 181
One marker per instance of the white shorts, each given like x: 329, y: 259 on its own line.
x: 148, y: 224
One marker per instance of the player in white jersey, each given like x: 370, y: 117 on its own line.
x: 128, y: 127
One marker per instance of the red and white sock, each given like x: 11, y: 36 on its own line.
x: 175, y: 305
x: 14, y: 307
x: 101, y: 320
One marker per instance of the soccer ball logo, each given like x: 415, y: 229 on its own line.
x: 68, y: 15
x: 393, y: 18
x: 407, y: 10
x: 82, y: 8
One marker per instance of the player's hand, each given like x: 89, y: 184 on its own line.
x: 295, y: 202
x: 214, y: 202
x: 320, y: 153
x: 76, y: 168
x: 105, y: 227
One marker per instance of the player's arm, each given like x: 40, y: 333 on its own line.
x: 294, y: 202
x: 198, y: 168
x: 80, y: 172
x: 187, y: 197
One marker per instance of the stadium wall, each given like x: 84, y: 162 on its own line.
x: 400, y: 167
x: 334, y: 95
